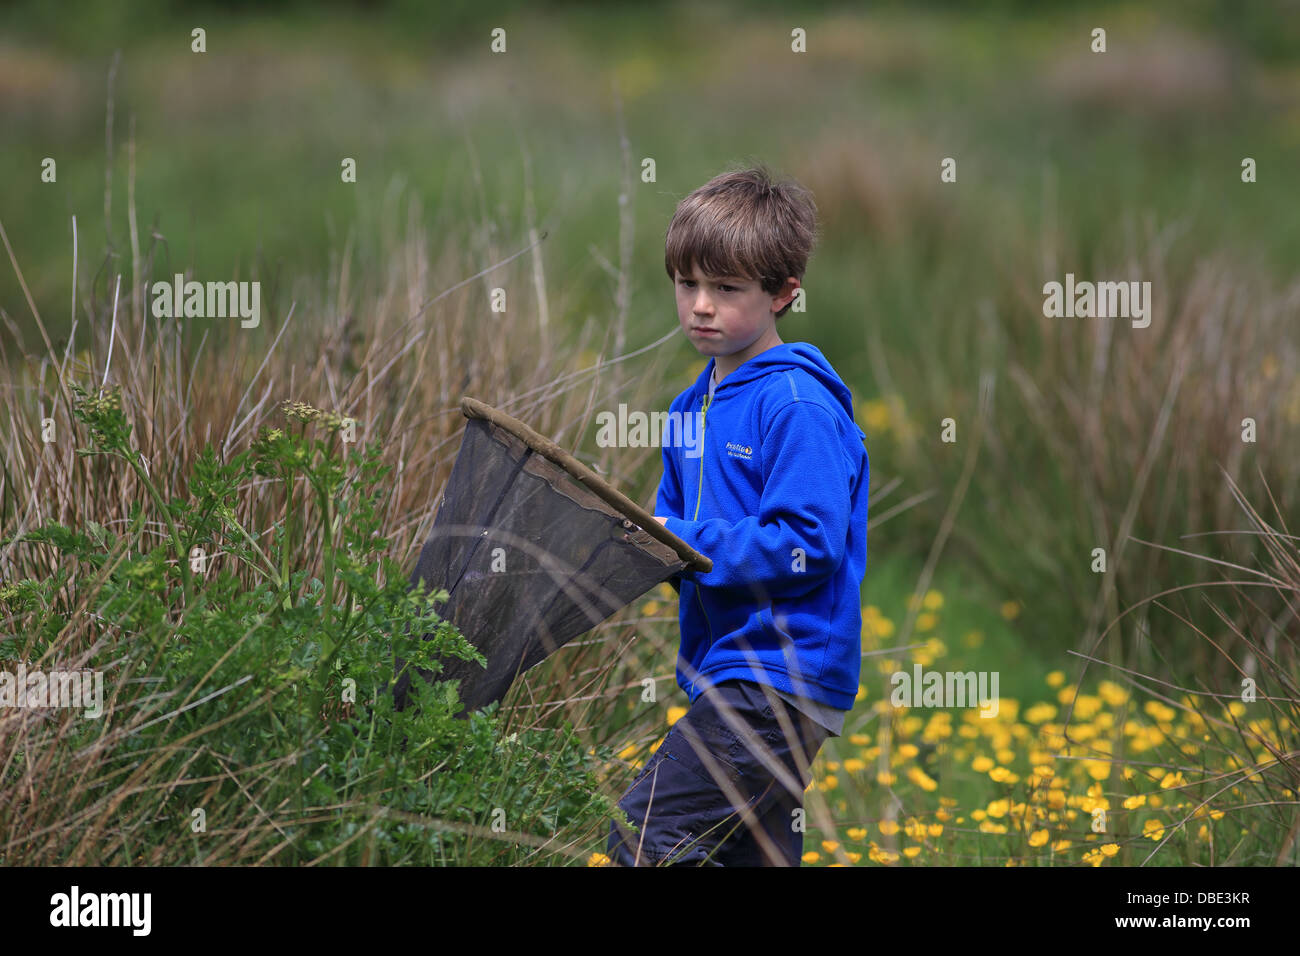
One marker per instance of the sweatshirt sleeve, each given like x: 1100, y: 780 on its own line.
x: 799, y: 535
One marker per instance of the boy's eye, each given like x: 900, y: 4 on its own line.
x: 724, y: 286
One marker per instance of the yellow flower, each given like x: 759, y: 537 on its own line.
x: 1172, y: 780
x: 1158, y: 711
x: 856, y: 833
x: 628, y: 752
x: 888, y: 827
x: 908, y: 751
x: 830, y: 846
x: 1153, y: 829
x: 812, y: 856
x: 921, y: 779
x: 933, y: 600
x: 675, y: 714
x: 886, y: 779
x: 926, y: 621
x: 1086, y: 706
x: 878, y: 627
x: 853, y: 857
x: 1038, y: 838
x: 598, y: 859
x: 1010, y: 610
x: 1097, y: 769
x: 935, y: 829
x: 875, y: 415
x: 1040, y: 713
x: 1109, y: 849
x: 854, y: 765
x: 1114, y: 694
x: 911, y: 851
x: 1003, y: 775
x: 998, y: 808
x: 829, y: 782
x: 1132, y: 803
x: 1055, y: 678
x: 981, y: 764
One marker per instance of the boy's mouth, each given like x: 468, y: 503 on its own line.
x: 698, y: 330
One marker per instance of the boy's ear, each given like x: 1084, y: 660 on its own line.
x: 790, y: 290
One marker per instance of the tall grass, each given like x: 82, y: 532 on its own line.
x: 227, y: 736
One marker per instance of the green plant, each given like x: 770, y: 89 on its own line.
x: 249, y: 718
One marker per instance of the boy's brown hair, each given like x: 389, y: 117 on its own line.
x: 743, y: 224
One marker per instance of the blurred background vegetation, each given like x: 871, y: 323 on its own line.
x: 1122, y: 165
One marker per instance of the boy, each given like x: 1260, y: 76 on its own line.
x: 773, y: 488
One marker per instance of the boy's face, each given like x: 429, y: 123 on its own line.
x: 729, y: 317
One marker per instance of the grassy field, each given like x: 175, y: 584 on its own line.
x: 524, y: 171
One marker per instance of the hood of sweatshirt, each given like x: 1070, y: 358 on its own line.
x: 788, y: 355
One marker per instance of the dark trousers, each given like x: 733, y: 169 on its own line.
x: 711, y: 796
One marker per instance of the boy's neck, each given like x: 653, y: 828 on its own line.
x: 724, y: 365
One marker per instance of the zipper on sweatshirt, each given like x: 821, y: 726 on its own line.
x: 704, y: 424
x: 698, y: 497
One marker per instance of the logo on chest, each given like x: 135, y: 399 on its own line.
x: 740, y: 450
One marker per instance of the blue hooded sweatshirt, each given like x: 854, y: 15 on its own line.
x: 769, y: 480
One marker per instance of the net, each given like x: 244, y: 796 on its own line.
x: 534, y: 549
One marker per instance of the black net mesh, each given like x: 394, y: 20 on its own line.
x: 533, y: 553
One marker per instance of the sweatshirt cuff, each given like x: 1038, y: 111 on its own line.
x: 681, y: 528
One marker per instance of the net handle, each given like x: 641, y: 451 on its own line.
x: 473, y: 408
